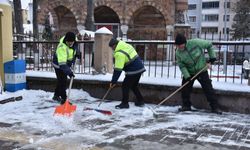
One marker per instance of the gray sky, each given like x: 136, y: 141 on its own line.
x: 25, y: 3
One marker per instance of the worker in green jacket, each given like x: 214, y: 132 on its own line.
x: 127, y: 59
x: 191, y: 59
x: 63, y: 59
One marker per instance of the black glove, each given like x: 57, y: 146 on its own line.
x: 71, y: 75
x: 212, y: 60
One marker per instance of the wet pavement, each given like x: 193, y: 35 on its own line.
x: 35, y: 128
x: 228, y: 131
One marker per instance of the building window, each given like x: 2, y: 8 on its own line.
x: 191, y: 6
x: 209, y: 29
x: 228, y: 4
x: 210, y: 17
x: 227, y: 18
x: 227, y: 30
x: 192, y: 18
x: 210, y: 5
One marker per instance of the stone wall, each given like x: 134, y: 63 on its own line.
x: 229, y: 101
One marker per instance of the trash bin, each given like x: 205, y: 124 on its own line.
x: 14, y: 73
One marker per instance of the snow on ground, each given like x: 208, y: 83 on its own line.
x: 30, y: 124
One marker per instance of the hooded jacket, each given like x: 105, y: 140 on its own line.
x: 63, y: 57
x: 126, y: 59
x: 192, y: 58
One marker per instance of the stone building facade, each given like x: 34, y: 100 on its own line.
x: 132, y: 19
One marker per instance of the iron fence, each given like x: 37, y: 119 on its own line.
x: 39, y: 54
x: 158, y: 58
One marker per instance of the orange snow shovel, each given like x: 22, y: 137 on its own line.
x: 66, y: 109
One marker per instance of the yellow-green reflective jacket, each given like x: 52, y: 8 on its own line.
x: 63, y: 57
x: 127, y: 59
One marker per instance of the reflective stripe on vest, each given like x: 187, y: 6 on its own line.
x: 129, y: 59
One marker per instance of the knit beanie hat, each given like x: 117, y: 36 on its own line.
x: 180, y: 39
x: 113, y: 42
x: 70, y: 36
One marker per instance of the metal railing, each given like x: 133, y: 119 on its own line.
x: 39, y: 55
x: 158, y: 58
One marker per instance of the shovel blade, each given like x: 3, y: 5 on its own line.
x: 105, y: 112
x: 66, y: 109
x: 155, y: 114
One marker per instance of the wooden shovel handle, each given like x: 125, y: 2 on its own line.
x: 105, y: 95
x: 164, y: 100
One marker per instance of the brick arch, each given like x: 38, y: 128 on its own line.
x: 136, y: 32
x: 132, y: 10
x: 109, y: 5
x: 57, y: 3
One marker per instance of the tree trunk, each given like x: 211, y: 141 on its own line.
x: 35, y: 34
x: 90, y: 15
x: 35, y: 26
x: 18, y: 18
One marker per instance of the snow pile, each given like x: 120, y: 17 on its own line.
x: 148, y: 112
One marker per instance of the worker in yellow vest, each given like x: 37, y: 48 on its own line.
x: 63, y: 59
x: 127, y: 59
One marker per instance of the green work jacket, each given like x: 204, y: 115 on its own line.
x: 192, y: 58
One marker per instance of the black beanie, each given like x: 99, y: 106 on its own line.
x: 70, y: 36
x: 113, y: 42
x: 180, y: 39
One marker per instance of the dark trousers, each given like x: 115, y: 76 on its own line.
x: 131, y: 82
x: 61, y: 84
x: 206, y: 84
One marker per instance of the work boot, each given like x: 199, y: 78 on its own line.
x: 185, y: 108
x: 122, y: 106
x: 139, y: 103
x: 57, y: 98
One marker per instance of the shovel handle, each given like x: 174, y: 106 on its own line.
x: 164, y: 100
x: 71, y: 81
x: 70, y: 86
x: 105, y: 95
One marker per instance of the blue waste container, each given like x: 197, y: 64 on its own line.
x: 14, y: 73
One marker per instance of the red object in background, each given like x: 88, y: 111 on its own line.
x: 107, y: 26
